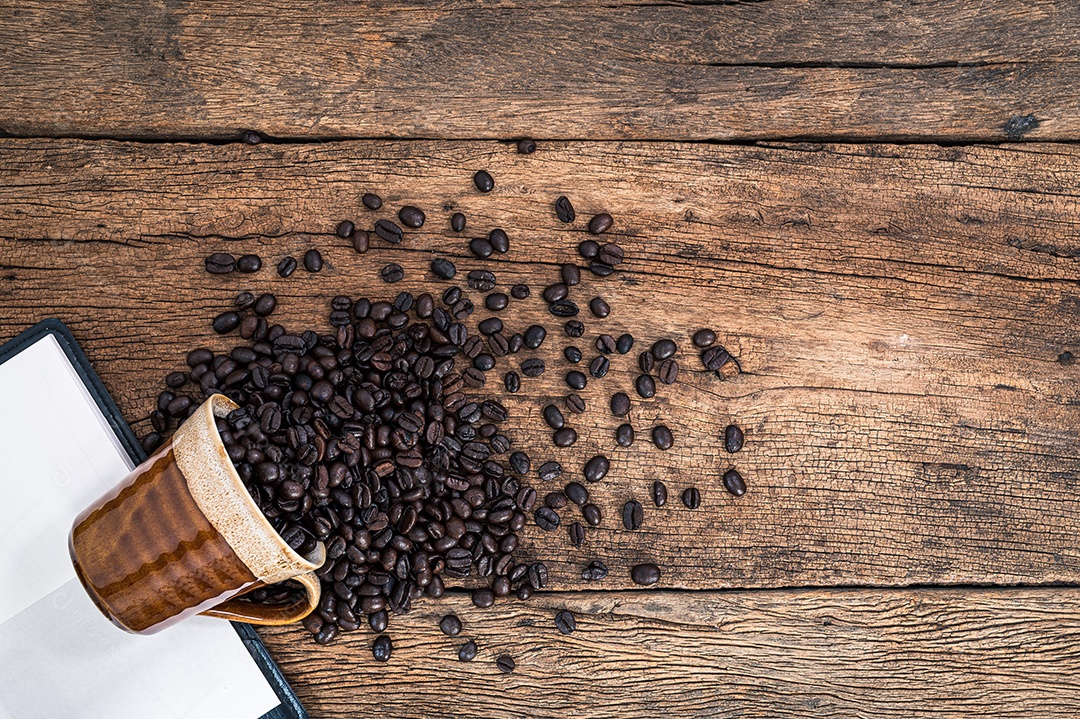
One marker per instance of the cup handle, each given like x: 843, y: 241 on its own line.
x: 268, y: 614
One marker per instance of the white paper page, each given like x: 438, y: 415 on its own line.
x: 58, y: 655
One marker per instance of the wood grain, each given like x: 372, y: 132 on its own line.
x: 919, y: 653
x: 951, y: 71
x: 906, y: 318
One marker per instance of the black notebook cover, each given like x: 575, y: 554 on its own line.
x: 290, y: 707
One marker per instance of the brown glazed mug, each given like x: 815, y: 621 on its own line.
x: 181, y: 536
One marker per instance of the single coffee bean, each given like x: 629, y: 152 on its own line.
x: 443, y: 268
x: 733, y: 483
x: 572, y: 354
x: 570, y: 274
x: 371, y: 201
x: 599, y: 307
x: 483, y: 598
x: 483, y: 181
x: 591, y: 513
x: 662, y: 437
x: 411, y: 216
x: 286, y: 267
x: 226, y: 322
x: 519, y: 292
x: 704, y: 338
x: 457, y: 222
x: 600, y: 269
x: 547, y: 519
x: 605, y: 344
x: 564, y: 210
x: 645, y: 386
x: 577, y: 534
x: 392, y: 273
x: 360, y: 241
x: 645, y: 574
x: 220, y: 263
x: 576, y: 493
x: 600, y: 224
x: 450, y: 625
x: 249, y: 263
x: 565, y: 622
x: 662, y: 349
x: 624, y: 435
x: 596, y: 468
x: 554, y: 417
x: 490, y: 326
x: 484, y: 362
x: 668, y: 371
x: 265, y: 304
x: 533, y: 367
x: 555, y: 292
x: 327, y: 634
x: 575, y: 403
x: 244, y: 301
x: 620, y: 404
x: 564, y: 308
x: 481, y: 280
x: 345, y: 229
x: 378, y: 620
x: 598, y: 368
x: 313, y: 261
x: 505, y: 664
x: 691, y: 497
x: 633, y: 514
x: 611, y: 254
x: 549, y: 471
x: 624, y: 344
x: 499, y: 241
x: 512, y: 381
x: 565, y: 437
x: 497, y: 302
x: 595, y: 570
x: 534, y: 336
x: 526, y: 146
x: 576, y: 380
x: 574, y: 328
x: 659, y: 493
x: 589, y: 249
x: 467, y: 652
x: 715, y: 357
x: 733, y: 438
x: 519, y: 462
x: 480, y: 248
x: 538, y: 575
x: 646, y: 362
x: 382, y: 647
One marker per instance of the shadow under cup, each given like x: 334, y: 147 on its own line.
x: 181, y: 536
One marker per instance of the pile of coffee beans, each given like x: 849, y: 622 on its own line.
x: 378, y: 433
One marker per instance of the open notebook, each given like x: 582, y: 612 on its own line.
x: 63, y: 444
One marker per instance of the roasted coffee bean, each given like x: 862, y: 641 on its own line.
x: 265, y: 304
x: 704, y: 338
x: 596, y: 468
x: 570, y: 274
x: 226, y: 322
x: 505, y: 664
x: 594, y: 571
x: 483, y: 598
x: 733, y: 438
x: 499, y: 241
x: 468, y: 651
x: 600, y: 224
x: 591, y: 513
x: 662, y: 349
x: 496, y: 301
x: 371, y: 201
x: 668, y: 371
x: 733, y: 483
x: 599, y: 307
x: 624, y: 435
x: 564, y: 308
x: 286, y: 267
x: 327, y: 634
x: 424, y: 306
x: 220, y: 263
x: 175, y: 380
x: 443, y: 268
x: 598, y: 368
x: 646, y: 362
x: 645, y: 574
x: 691, y: 497
x: 565, y: 622
x: 659, y: 493
x: 546, y: 518
x: 526, y: 146
x: 555, y: 292
x: 589, y: 249
x: 534, y: 336
x: 313, y: 261
x: 158, y: 421
x: 538, y: 575
x: 519, y: 462
x: 515, y: 343
x: 715, y: 357
x: 577, y: 534
x: 499, y: 345
x: 457, y: 222
x: 633, y: 515
x: 575, y: 403
x: 481, y: 280
x: 378, y: 620
x: 600, y: 269
x: 564, y: 210
x: 483, y: 181
x: 345, y: 229
x: 533, y: 367
x: 605, y: 344
x: 576, y: 493
x: 411, y: 216
x: 450, y: 625
x: 662, y: 437
x: 481, y: 248
x: 645, y: 386
x: 151, y: 442
x: 388, y: 231
x: 572, y: 354
x: 490, y: 326
x: 512, y: 382
x: 519, y: 292
x: 624, y: 344
x: 249, y: 263
x: 565, y: 437
x: 381, y: 648
x: 610, y: 254
x: 620, y: 404
x: 549, y: 471
x: 574, y: 328
x: 554, y: 417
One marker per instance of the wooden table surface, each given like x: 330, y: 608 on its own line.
x: 874, y: 204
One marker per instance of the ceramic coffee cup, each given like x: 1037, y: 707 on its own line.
x: 181, y: 536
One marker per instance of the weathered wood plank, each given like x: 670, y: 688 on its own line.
x: 953, y: 70
x: 918, y: 653
x: 906, y: 318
